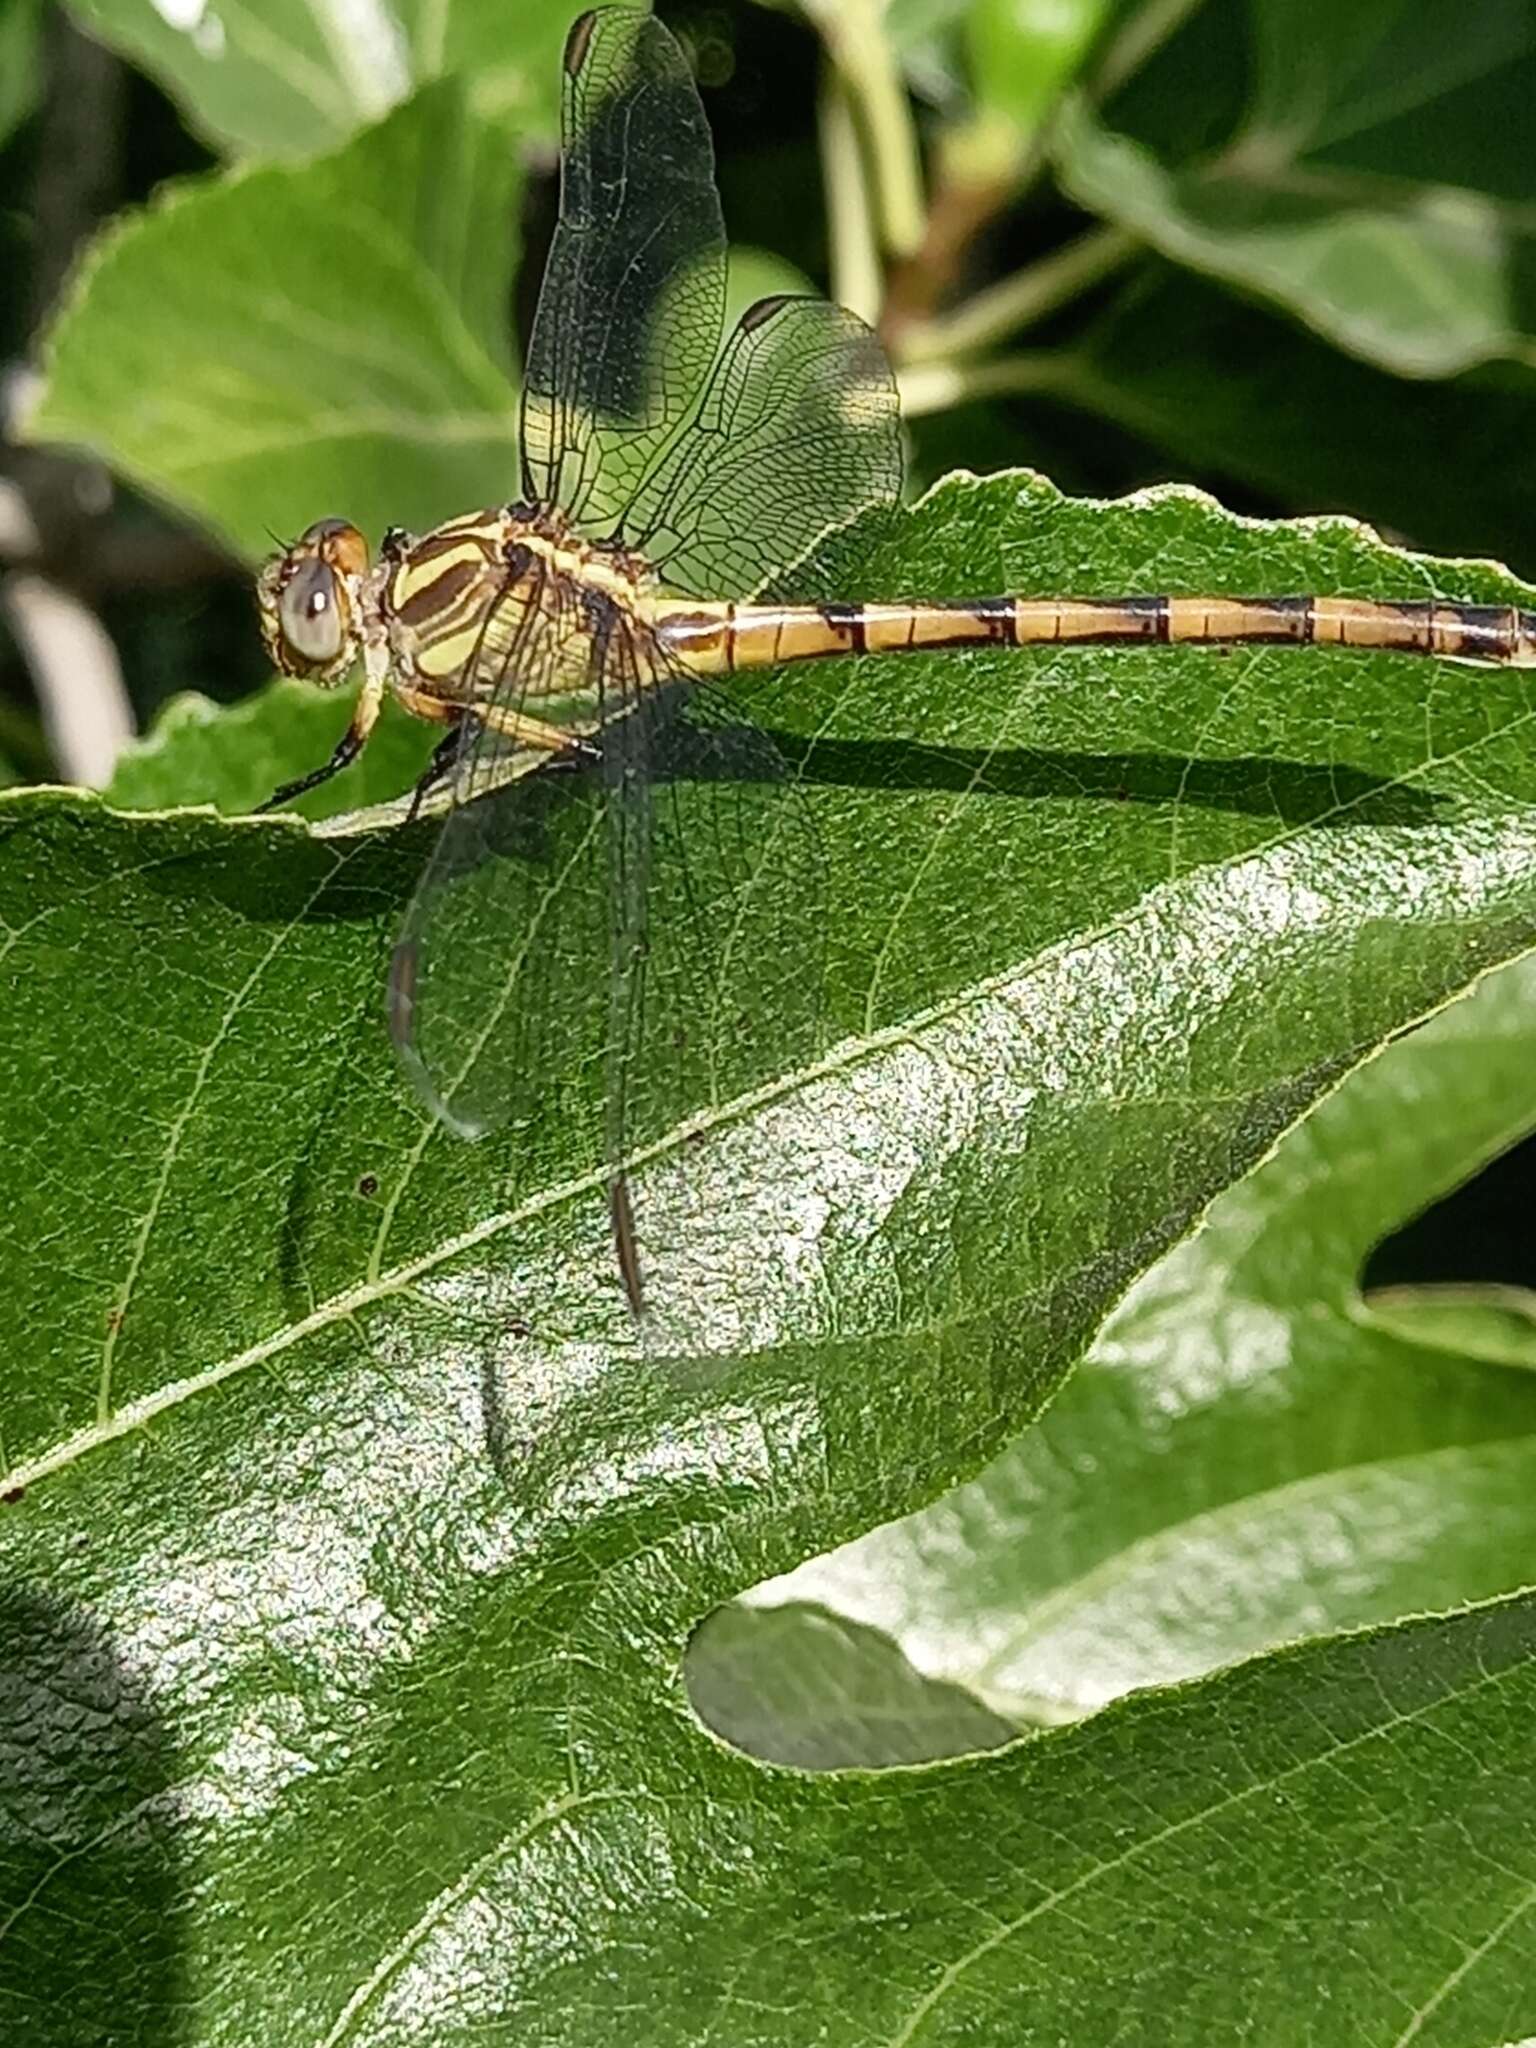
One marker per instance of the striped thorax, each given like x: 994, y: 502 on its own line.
x: 485, y: 591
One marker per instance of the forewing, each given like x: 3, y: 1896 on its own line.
x: 797, y: 432
x: 632, y: 305
x: 493, y: 975
x: 603, y: 952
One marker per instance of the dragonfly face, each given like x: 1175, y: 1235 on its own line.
x: 310, y: 599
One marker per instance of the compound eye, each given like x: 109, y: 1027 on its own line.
x: 310, y: 613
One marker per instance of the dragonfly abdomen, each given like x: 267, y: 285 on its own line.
x: 719, y: 639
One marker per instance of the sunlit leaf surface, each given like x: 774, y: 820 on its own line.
x: 1251, y: 1452
x: 357, y: 1539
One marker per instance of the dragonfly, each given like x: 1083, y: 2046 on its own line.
x: 575, y: 943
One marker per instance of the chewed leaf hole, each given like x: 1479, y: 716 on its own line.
x: 799, y: 1685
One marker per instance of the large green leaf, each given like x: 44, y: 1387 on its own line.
x: 1250, y: 1452
x: 289, y: 77
x: 262, y: 348
x: 1373, y: 185
x: 361, y: 1536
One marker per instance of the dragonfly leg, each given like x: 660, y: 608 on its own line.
x: 524, y: 731
x: 365, y: 717
x: 538, y: 735
x: 445, y: 758
x: 347, y: 749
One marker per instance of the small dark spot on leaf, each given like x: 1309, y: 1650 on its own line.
x: 12, y: 1494
x: 518, y: 1328
x: 368, y: 1184
x: 114, y: 1320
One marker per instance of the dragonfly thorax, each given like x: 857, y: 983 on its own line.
x: 498, y: 587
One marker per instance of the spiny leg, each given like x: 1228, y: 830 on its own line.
x: 346, y: 751
x: 445, y: 758
x: 365, y: 716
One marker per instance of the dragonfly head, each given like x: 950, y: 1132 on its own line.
x: 309, y: 597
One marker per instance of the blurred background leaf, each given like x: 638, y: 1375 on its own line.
x: 1375, y: 181
x: 20, y: 75
x: 284, y: 336
x: 294, y: 77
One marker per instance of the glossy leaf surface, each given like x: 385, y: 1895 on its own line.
x: 352, y: 1500
x: 1251, y: 1452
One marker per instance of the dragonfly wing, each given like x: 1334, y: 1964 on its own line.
x: 797, y: 432
x: 633, y: 300
x: 719, y: 969
x: 508, y: 916
x: 602, y: 951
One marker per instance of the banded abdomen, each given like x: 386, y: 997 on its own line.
x: 721, y: 638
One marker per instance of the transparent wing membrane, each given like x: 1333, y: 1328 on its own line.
x: 602, y: 949
x: 611, y: 939
x: 475, y: 945
x: 798, y: 431
x: 633, y: 298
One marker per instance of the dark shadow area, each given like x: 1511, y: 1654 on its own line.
x: 1485, y: 1231
x: 90, y: 1893
x: 1293, y: 792
x: 712, y: 745
x: 270, y: 881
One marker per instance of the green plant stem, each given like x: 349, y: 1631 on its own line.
x: 934, y: 387
x: 854, y: 33
x: 1016, y: 302
x: 1143, y: 34
x: 857, y: 279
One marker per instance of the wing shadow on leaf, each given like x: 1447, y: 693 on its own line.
x: 278, y: 880
x: 91, y: 1898
x: 1292, y: 792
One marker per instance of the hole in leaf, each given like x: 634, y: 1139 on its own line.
x: 797, y: 1684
